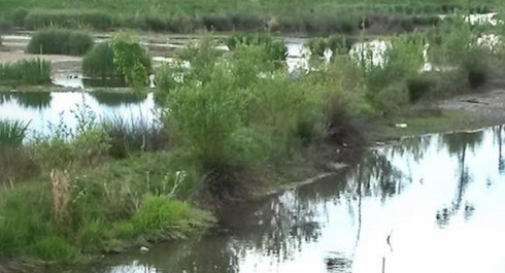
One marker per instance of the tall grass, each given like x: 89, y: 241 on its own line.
x: 275, y: 49
x: 12, y: 133
x: 37, y: 19
x: 35, y: 71
x: 99, y: 62
x: 133, y: 136
x: 15, y: 162
x: 60, y: 41
x: 323, y: 17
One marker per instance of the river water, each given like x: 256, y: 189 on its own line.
x: 427, y: 204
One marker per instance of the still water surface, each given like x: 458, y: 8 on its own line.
x: 43, y: 109
x: 440, y: 199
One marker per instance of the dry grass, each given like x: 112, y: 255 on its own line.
x: 60, y: 182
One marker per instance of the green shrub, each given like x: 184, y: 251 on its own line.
x: 35, y: 71
x: 317, y: 46
x: 131, y: 60
x: 419, y: 87
x: 340, y: 44
x: 403, y: 60
x: 392, y: 98
x: 99, y: 62
x: 477, y: 65
x: 60, y: 41
x: 240, y: 112
x: 21, y: 225
x: 276, y: 50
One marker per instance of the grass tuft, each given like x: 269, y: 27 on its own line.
x: 60, y: 41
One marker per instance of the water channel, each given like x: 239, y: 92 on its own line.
x: 426, y: 204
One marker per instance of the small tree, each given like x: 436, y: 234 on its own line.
x: 131, y: 60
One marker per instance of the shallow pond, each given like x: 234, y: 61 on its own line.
x: 428, y: 204
x: 43, y: 109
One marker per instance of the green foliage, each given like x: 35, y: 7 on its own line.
x: 21, y: 225
x: 317, y: 46
x: 12, y: 133
x: 99, y: 62
x: 54, y: 248
x: 241, y: 111
x: 386, y: 84
x: 32, y: 72
x: 120, y: 200
x: 276, y: 50
x: 455, y: 45
x: 60, y: 41
x: 340, y: 44
x: 419, y: 87
x: 131, y: 60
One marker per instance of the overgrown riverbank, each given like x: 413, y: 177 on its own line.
x: 230, y: 124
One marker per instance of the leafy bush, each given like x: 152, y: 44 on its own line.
x: 60, y: 41
x: 35, y: 71
x: 403, y: 60
x: 340, y: 44
x: 419, y: 87
x: 317, y: 46
x: 99, y: 62
x: 131, y: 60
x: 276, y: 50
x: 240, y: 112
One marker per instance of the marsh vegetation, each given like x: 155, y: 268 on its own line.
x: 229, y: 122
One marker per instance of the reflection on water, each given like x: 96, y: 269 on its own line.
x: 118, y: 99
x: 439, y: 199
x: 41, y: 109
x: 77, y: 81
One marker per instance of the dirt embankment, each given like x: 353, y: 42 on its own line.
x: 488, y: 104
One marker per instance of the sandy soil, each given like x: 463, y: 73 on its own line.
x: 60, y: 63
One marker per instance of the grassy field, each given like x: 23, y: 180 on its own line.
x: 209, y: 6
x: 318, y: 17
